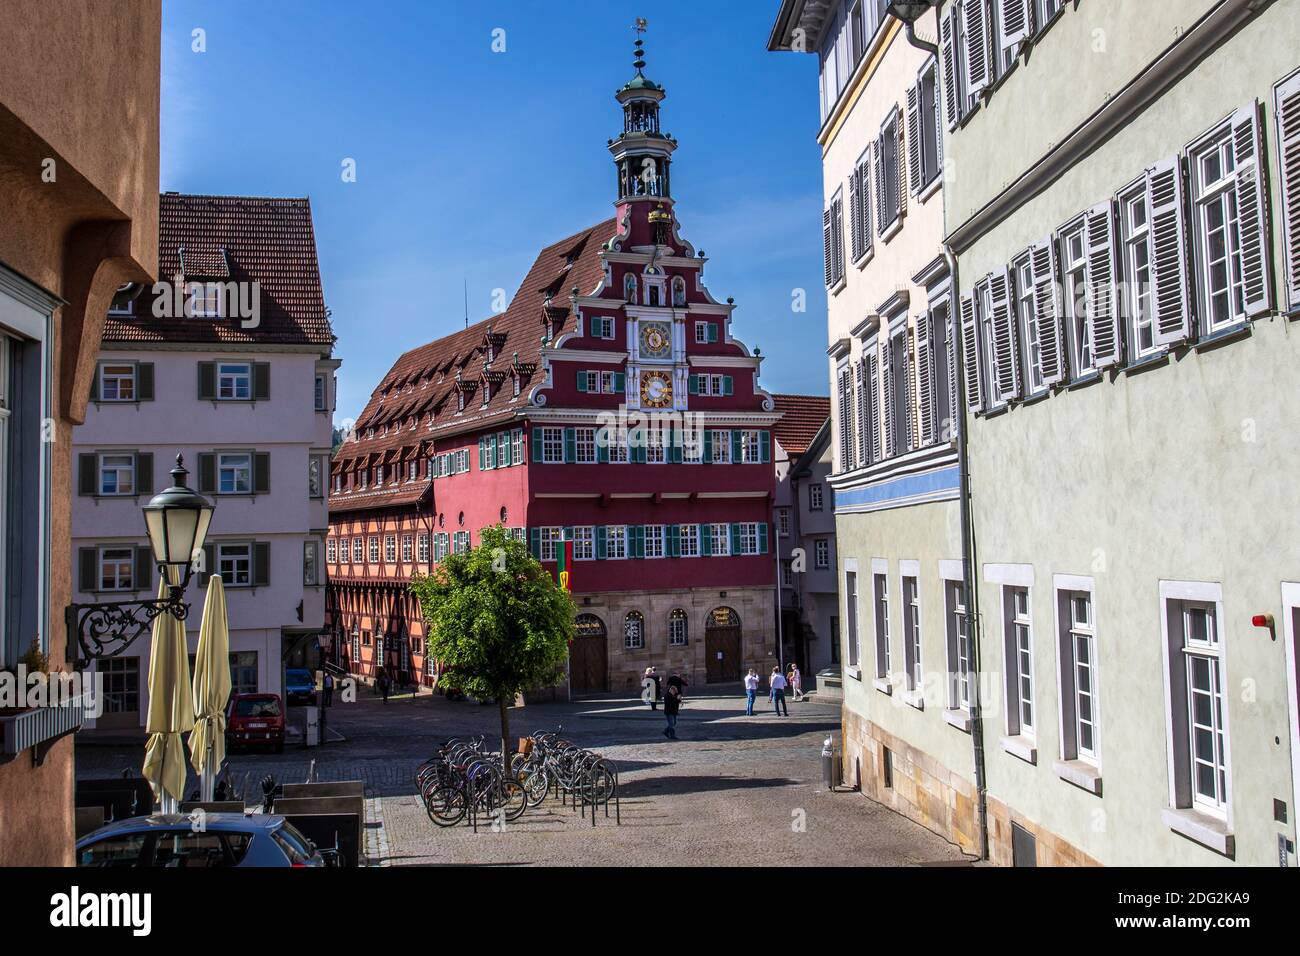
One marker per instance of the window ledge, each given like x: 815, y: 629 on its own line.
x: 1224, y: 336
x: 959, y: 719
x: 927, y: 191
x: 1080, y: 773
x: 1154, y: 360
x: 914, y: 698
x: 893, y: 229
x: 1204, y: 829
x: 1021, y: 746
x: 840, y: 284
x: 861, y: 261
x: 883, y: 685
x: 854, y: 672
x: 1085, y: 381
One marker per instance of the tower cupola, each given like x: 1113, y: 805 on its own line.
x: 642, y: 154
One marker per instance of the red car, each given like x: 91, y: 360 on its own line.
x: 255, y: 719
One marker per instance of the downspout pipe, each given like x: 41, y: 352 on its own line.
x: 968, y: 565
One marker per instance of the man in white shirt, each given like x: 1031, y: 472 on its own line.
x: 751, y: 691
x: 777, y: 684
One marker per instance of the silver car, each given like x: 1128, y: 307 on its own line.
x: 198, y: 841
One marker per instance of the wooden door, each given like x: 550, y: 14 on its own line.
x: 722, y: 654
x: 588, y: 665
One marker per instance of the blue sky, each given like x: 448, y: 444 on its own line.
x: 469, y: 161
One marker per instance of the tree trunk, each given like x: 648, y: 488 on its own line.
x: 505, y: 735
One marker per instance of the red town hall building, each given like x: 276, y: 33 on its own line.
x: 608, y: 405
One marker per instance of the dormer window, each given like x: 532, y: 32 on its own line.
x: 203, y: 300
x: 516, y: 381
x: 460, y: 401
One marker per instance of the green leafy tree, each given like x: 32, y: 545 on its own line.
x: 497, y: 621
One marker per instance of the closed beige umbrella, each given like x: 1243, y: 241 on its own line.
x: 171, y: 709
x: 211, y: 689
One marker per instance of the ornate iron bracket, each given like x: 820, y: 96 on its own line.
x: 104, y: 631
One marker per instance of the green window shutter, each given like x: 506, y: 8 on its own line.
x: 635, y: 541
x: 207, y: 472
x: 706, y: 541
x: 143, y: 569
x: 762, y: 538
x: 735, y: 539
x: 261, y: 473
x: 674, y: 541
x: 570, y: 445
x: 602, y: 445
x: 601, y: 542
x: 261, y: 381
x: 535, y: 542
x: 728, y: 385
x: 87, y: 477
x: 207, y: 380
x: 144, y: 473
x: 86, y: 561
x: 765, y: 447
x: 693, y: 385
x: 144, y: 382
x: 713, y: 332
x: 637, y: 451
x: 582, y: 381
x: 676, y: 447
x: 708, y: 447
x: 537, y: 443
x: 482, y: 459
x: 620, y: 382
x: 261, y: 564
x: 735, y: 446
x: 493, y: 460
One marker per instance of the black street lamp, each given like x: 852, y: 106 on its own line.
x: 177, y: 522
x: 908, y: 12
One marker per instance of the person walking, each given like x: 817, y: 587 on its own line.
x: 672, y: 703
x: 651, y: 693
x: 795, y: 680
x: 751, y: 691
x: 776, y: 683
x: 328, y: 685
x: 383, y: 684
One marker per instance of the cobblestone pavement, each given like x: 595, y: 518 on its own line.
x: 732, y: 790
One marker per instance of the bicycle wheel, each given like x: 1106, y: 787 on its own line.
x: 445, y: 805
x: 514, y: 799
x: 537, y: 785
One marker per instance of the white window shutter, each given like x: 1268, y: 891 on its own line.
x: 1047, y: 311
x: 826, y: 247
x: 948, y: 340
x: 948, y: 53
x: 864, y: 451
x: 864, y: 184
x: 872, y: 427
x: 1287, y: 103
x: 1013, y: 22
x: 925, y: 400
x: 1168, y: 240
x: 914, y: 138
x: 900, y: 145
x: 1004, y: 337
x: 1252, y: 213
x: 1099, y: 263
x: 977, y: 51
x: 844, y: 423
x: 854, y: 200
x: 970, y: 353
x: 837, y: 224
x: 887, y: 373
x: 879, y: 180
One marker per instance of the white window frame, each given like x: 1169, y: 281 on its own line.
x: 721, y: 449
x: 678, y: 627
x: 1203, y: 195
x: 960, y: 690
x: 880, y: 623
x: 751, y: 446
x: 1189, y: 812
x: 821, y: 554
x: 783, y: 522
x: 631, y: 641
x: 358, y: 550
x: 228, y: 461
x: 748, y: 537
x: 688, y: 540
x: 235, y: 554
x: 655, y: 543
x: 584, y: 543
x: 584, y: 446
x: 116, y: 464
x: 909, y: 593
x: 331, y: 550
x: 616, y: 541
x: 118, y: 374
x: 552, y: 445
x: 1135, y: 263
x: 549, y: 537
x: 1022, y: 281
x: 235, y: 378
x: 1075, y: 319
x: 109, y: 561
x: 816, y: 497
x: 422, y: 547
x: 852, y: 632
x: 1081, y: 766
x: 720, y: 540
x: 390, y: 548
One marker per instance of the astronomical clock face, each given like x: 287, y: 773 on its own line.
x: 656, y: 340
x: 656, y: 390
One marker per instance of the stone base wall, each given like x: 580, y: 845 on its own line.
x: 921, y: 789
x: 1051, y: 850
x: 924, y: 791
x: 754, y: 606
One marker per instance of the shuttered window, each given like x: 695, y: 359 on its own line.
x: 1228, y: 227
x: 1022, y: 296
x: 976, y: 64
x: 890, y: 433
x: 1047, y: 312
x: 860, y: 215
x: 1164, y: 200
x: 1103, y: 327
x: 1014, y: 24
x: 1134, y: 258
x: 833, y: 239
x: 970, y: 354
x: 954, y: 99
x: 889, y: 173
x: 846, y: 417
x: 1072, y: 256
x: 1286, y: 98
x: 924, y: 140
x: 1003, y: 348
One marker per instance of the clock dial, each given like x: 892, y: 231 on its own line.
x: 656, y: 390
x: 656, y: 340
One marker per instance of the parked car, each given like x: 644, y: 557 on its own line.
x: 299, y: 686
x: 254, y: 719
x: 172, y: 840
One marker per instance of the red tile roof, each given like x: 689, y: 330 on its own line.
x: 241, y: 239
x: 801, y: 417
x: 423, y: 380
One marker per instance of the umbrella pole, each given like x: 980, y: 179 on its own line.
x: 207, y: 785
